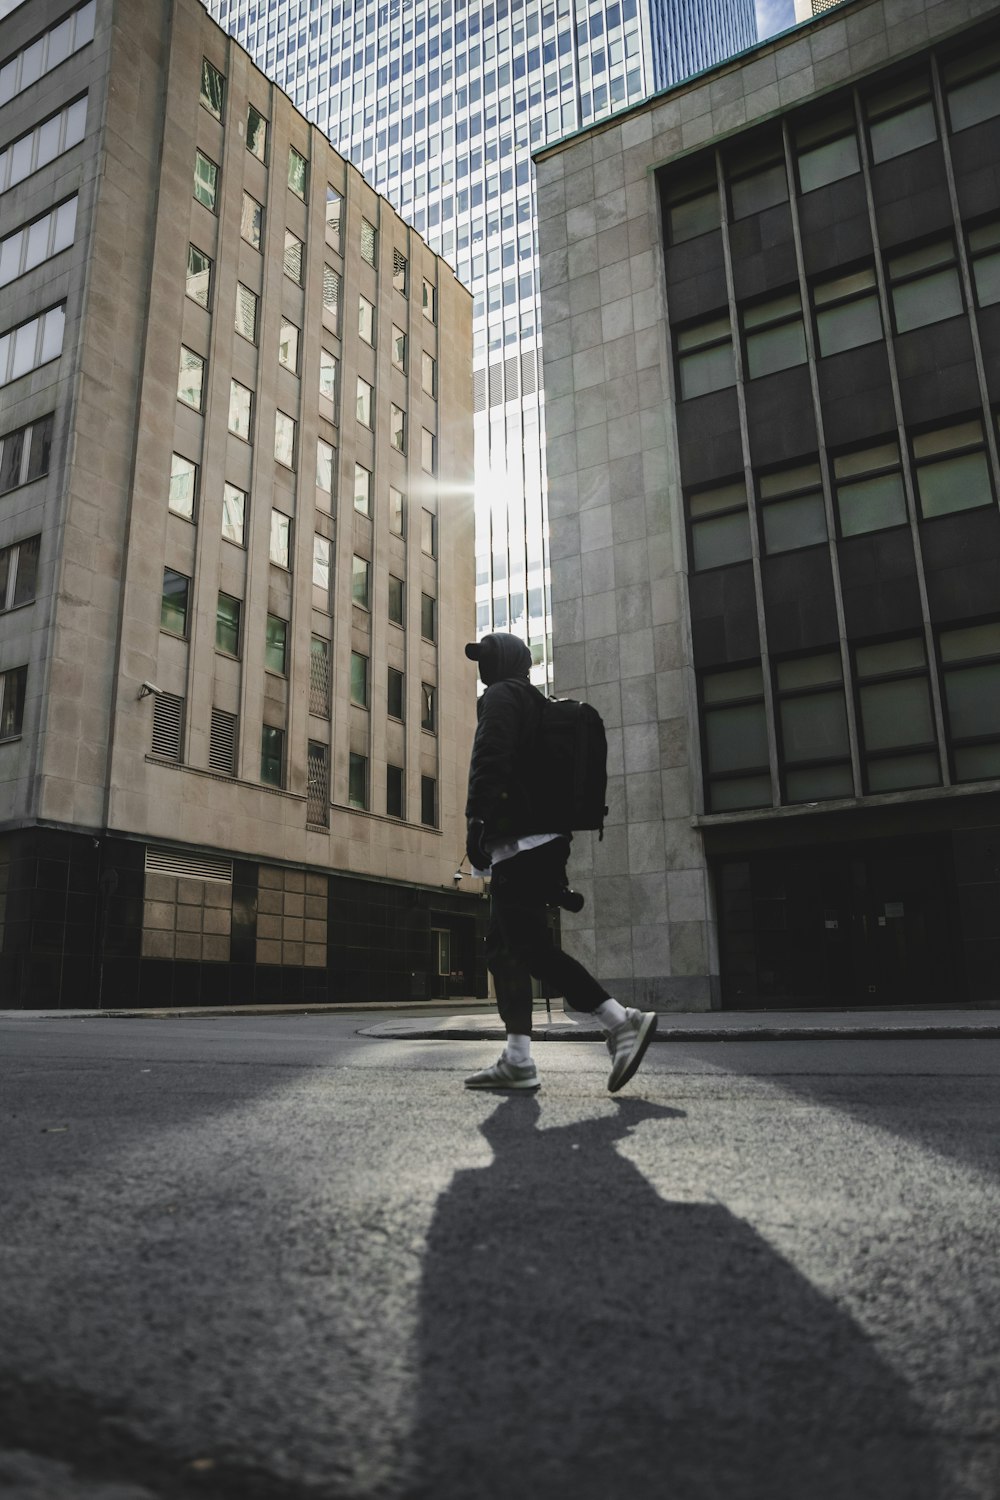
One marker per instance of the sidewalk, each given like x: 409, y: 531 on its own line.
x: 469, y: 1020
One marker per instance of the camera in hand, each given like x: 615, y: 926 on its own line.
x: 567, y: 900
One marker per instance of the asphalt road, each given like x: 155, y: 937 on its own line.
x: 266, y: 1258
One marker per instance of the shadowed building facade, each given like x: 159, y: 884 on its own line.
x: 236, y: 538
x: 773, y: 483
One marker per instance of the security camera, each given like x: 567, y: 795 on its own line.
x: 148, y: 688
x: 458, y: 876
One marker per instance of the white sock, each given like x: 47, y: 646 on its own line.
x: 518, y: 1049
x: 610, y: 1013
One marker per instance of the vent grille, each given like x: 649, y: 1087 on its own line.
x: 188, y: 866
x: 510, y: 377
x: 479, y: 390
x: 168, y: 714
x: 528, y: 382
x: 222, y: 747
x: 496, y: 384
x: 331, y: 289
x: 319, y: 678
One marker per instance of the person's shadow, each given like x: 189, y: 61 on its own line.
x: 582, y: 1339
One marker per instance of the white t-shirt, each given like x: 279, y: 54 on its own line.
x: 506, y: 848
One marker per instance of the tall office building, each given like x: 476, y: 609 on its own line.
x: 235, y: 538
x: 441, y: 103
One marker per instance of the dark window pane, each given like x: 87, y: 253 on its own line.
x: 895, y: 714
x: 357, y: 781
x: 954, y: 484
x: 800, y: 522
x: 871, y: 504
x: 736, y: 738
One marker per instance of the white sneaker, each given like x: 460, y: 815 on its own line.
x: 627, y: 1043
x: 505, y: 1075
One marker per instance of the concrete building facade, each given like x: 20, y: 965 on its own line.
x: 772, y: 374
x: 236, y: 538
x: 441, y: 103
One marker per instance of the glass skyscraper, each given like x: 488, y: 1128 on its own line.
x: 440, y: 103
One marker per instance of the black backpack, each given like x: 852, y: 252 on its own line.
x: 570, y: 767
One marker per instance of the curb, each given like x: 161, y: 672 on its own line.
x: 571, y: 1033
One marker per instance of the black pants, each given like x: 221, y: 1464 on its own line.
x: 519, y: 943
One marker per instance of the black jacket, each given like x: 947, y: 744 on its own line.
x: 500, y: 774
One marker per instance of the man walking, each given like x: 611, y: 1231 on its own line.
x: 509, y: 837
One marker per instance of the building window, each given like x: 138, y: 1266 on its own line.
x: 925, y: 286
x: 292, y: 257
x: 183, y: 486
x: 46, y: 52
x: 428, y: 452
x: 213, y: 89
x: 693, y: 204
x: 362, y: 490
x: 394, y: 785
x: 774, y: 335
x: 32, y: 344
x: 168, y: 722
x: 13, y: 684
x: 43, y: 143
x: 952, y: 472
x: 720, y: 526
x: 398, y: 347
x: 331, y: 295
x: 284, y: 439
x: 868, y: 487
x: 246, y: 312
x: 395, y: 600
x: 324, y: 468
x: 972, y: 85
x: 359, y: 680
x: 357, y: 781
x: 792, y: 511
x: 366, y: 395
x: 328, y: 364
x: 252, y: 221
x: 319, y: 677
x: 429, y: 300
x: 272, y: 755
x: 827, y: 149
x: 400, y: 272
x: 369, y: 243
x: 984, y: 253
x: 734, y: 739
x: 256, y: 134
x: 321, y: 564
x: 812, y: 717
x: 397, y: 512
x: 428, y: 617
x: 705, y: 357
x: 757, y: 179
x: 25, y: 454
x: 18, y: 573
x: 428, y: 533
x: 37, y: 241
x: 334, y: 218
x: 428, y: 801
x: 847, y: 312
x: 394, y: 694
x: 970, y: 664
x: 296, y: 172
x: 366, y: 320
x: 397, y: 428
x: 190, y: 378
x: 276, y: 645
x: 428, y: 707
x: 317, y: 784
x: 428, y: 374
x: 901, y: 118
x: 206, y: 180
x: 227, y: 625
x: 174, y: 602
x: 288, y: 346
x: 279, y: 549
x: 361, y: 570
x: 222, y: 743
x: 240, y: 410
x: 897, y: 724
x: 198, y: 284
x: 234, y: 514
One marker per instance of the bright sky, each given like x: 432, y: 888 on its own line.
x: 774, y: 15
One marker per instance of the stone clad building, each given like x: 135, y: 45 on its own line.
x: 236, y: 538
x: 771, y: 313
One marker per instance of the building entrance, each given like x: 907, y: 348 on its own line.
x: 860, y: 926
